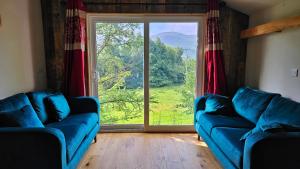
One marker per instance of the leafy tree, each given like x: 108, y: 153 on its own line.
x: 188, y: 89
x: 118, y: 46
x: 166, y: 63
x: 112, y: 34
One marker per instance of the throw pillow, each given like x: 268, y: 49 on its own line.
x: 58, y: 107
x: 25, y: 117
x: 218, y: 104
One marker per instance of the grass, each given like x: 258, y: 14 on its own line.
x: 165, y: 110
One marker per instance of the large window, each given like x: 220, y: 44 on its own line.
x: 144, y: 70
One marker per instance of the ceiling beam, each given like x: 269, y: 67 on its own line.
x: 270, y: 27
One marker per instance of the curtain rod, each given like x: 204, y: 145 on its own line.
x: 146, y: 3
x: 222, y: 3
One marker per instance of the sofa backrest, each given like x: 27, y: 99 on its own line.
x: 13, y: 103
x: 37, y: 100
x: 250, y: 103
x: 280, y: 113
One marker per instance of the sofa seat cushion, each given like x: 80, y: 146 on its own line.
x: 228, y: 140
x: 75, y: 128
x: 88, y: 119
x: 74, y: 135
x: 209, y: 121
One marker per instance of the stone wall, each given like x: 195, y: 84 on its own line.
x: 232, y: 22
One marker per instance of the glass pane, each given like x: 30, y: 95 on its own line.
x: 173, y: 48
x: 120, y: 60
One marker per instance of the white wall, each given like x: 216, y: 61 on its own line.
x: 271, y: 57
x: 22, y: 58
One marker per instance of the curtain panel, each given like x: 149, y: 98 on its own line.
x: 75, y: 42
x: 215, y: 80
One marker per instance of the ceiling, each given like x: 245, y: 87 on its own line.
x: 251, y: 6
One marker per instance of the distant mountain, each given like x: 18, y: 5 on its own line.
x: 187, y: 42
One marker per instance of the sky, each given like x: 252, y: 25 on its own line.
x: 184, y: 28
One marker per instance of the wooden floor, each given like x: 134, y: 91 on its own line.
x: 148, y: 151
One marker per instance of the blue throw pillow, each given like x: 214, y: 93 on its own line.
x: 282, y: 114
x: 37, y: 100
x: 218, y: 104
x: 58, y: 107
x: 25, y: 117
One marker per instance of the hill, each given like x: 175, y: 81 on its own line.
x: 187, y: 42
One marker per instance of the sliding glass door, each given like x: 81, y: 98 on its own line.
x: 143, y: 70
x: 173, y: 51
x: 119, y: 67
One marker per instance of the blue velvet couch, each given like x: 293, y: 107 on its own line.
x: 57, y: 145
x: 254, y: 130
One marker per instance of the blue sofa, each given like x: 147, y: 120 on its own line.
x: 56, y: 145
x: 254, y: 130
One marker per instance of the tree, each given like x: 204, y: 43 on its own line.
x: 166, y: 65
x: 188, y: 89
x: 111, y: 34
x: 119, y: 46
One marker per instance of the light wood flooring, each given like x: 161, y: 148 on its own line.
x: 148, y: 151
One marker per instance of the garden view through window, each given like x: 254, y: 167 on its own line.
x: 120, y: 67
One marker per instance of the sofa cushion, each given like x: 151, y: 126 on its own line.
x: 58, y: 107
x: 88, y: 119
x: 283, y: 111
x: 15, y: 102
x: 37, y: 100
x: 209, y: 121
x: 250, y: 103
x: 218, y: 104
x: 228, y: 140
x: 76, y: 127
x: 24, y: 117
x: 74, y: 135
x: 282, y: 114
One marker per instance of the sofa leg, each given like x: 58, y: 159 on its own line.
x: 199, y: 138
x: 95, y: 139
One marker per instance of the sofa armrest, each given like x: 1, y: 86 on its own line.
x: 84, y: 104
x: 199, y: 104
x: 272, y: 150
x: 33, y: 148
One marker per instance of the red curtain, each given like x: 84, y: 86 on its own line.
x: 215, y: 80
x: 75, y: 40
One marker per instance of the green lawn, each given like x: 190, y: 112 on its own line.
x: 163, y: 111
